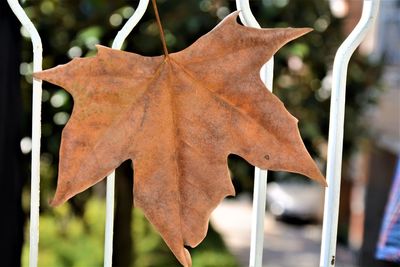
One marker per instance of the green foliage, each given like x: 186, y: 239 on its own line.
x: 70, y: 241
x: 67, y: 240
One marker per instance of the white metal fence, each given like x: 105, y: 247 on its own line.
x: 335, y: 141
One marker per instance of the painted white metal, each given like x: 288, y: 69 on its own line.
x: 336, y: 123
x: 130, y: 24
x: 36, y: 131
x: 260, y: 176
x: 109, y: 227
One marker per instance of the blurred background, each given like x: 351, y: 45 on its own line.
x: 73, y: 234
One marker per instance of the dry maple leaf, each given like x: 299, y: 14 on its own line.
x: 178, y: 117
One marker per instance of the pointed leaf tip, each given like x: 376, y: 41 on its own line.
x: 319, y: 178
x: 48, y: 75
x: 38, y: 75
x: 183, y: 256
x: 294, y: 33
x: 56, y: 201
x: 187, y: 258
x: 102, y: 50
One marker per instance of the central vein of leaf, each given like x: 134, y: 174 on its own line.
x: 175, y: 129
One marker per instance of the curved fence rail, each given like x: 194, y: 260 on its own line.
x: 335, y: 142
x: 336, y: 124
x: 36, y: 131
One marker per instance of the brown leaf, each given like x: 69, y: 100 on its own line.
x: 178, y: 118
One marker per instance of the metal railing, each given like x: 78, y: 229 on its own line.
x: 335, y: 141
x: 336, y: 127
x: 36, y: 131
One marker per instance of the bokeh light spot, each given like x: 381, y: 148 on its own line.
x: 61, y: 118
x: 295, y: 63
x: 280, y: 3
x: 47, y: 7
x: 115, y: 20
x: 127, y: 12
x: 25, y: 68
x: 222, y: 12
x: 26, y: 144
x: 74, y: 51
x: 45, y: 95
x: 58, y: 99
x: 205, y: 5
x: 321, y: 24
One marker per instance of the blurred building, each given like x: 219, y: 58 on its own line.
x: 386, y: 120
x: 374, y: 167
x: 385, y: 125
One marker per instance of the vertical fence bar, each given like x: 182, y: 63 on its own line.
x: 36, y: 131
x: 336, y: 123
x: 109, y: 227
x: 260, y: 191
x: 260, y: 176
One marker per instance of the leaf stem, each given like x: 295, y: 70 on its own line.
x: 160, y: 28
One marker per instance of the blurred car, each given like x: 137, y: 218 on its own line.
x: 295, y: 200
